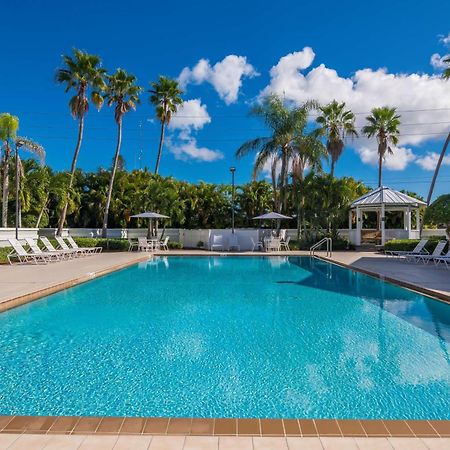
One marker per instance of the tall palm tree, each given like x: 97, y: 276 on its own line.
x: 9, y: 125
x: 446, y: 76
x: 166, y: 97
x: 82, y: 73
x: 285, y: 126
x: 336, y: 123
x: 31, y: 146
x: 384, y: 124
x: 123, y: 93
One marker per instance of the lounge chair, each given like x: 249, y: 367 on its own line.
x: 50, y: 248
x: 22, y: 256
x: 419, y: 249
x: 217, y: 242
x: 53, y: 256
x: 426, y: 258
x: 88, y: 250
x: 63, y: 246
x: 164, y: 245
x: 443, y: 259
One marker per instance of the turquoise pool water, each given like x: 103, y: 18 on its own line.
x: 229, y: 337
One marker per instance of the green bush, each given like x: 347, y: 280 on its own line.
x: 3, y: 253
x: 175, y: 245
x: 117, y: 245
x: 408, y: 244
x: 306, y: 244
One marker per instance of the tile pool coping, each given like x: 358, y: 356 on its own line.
x: 223, y: 427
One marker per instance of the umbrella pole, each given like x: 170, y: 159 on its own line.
x: 149, y: 229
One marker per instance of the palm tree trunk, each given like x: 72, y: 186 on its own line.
x: 62, y: 218
x: 436, y: 171
x: 274, y: 185
x: 18, y: 212
x: 5, y: 186
x: 161, y: 142
x: 111, y: 181
x: 333, y: 162
x: 41, y: 213
x: 380, y: 168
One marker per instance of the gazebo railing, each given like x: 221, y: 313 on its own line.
x: 319, y: 244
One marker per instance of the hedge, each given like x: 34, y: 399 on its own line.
x: 409, y: 244
x: 305, y: 244
x: 3, y: 253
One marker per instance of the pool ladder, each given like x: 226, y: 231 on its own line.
x: 319, y: 244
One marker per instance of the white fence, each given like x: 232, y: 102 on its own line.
x: 189, y: 238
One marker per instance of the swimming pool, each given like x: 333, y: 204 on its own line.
x: 274, y: 337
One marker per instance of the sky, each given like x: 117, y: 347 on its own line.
x: 227, y: 56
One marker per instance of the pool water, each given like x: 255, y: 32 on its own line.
x: 229, y: 337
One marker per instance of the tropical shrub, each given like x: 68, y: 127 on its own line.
x: 175, y: 245
x: 408, y: 245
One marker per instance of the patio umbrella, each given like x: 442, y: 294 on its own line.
x: 150, y: 215
x: 271, y: 216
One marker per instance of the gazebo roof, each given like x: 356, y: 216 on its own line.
x: 387, y: 196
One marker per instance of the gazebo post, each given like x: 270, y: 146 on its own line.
x: 382, y: 224
x: 418, y: 227
x: 408, y: 221
x: 358, y: 226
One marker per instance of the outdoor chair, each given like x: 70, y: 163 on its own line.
x: 164, y: 245
x: 50, y: 248
x: 419, y: 249
x: 256, y: 245
x: 426, y: 258
x: 443, y: 259
x: 22, y: 256
x: 217, y: 242
x: 144, y: 245
x: 285, y: 244
x: 88, y: 250
x: 63, y: 246
x: 133, y: 243
x: 273, y: 245
x: 233, y: 243
x: 35, y: 249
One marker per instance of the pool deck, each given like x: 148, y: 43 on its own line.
x: 24, y: 283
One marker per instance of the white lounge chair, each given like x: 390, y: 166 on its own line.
x: 88, y: 250
x: 50, y: 248
x: 426, y: 258
x: 217, y: 242
x: 419, y: 249
x: 22, y: 256
x: 63, y: 246
x: 443, y: 259
x: 164, y: 245
x: 35, y: 249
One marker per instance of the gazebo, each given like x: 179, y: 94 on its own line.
x: 384, y: 214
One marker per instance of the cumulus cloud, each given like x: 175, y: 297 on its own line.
x: 192, y: 115
x: 225, y: 76
x: 421, y: 99
x: 437, y: 61
x: 399, y: 160
x: 445, y: 39
x: 188, y: 149
x: 429, y: 161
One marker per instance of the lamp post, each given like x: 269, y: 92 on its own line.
x: 232, y: 170
x: 18, y: 145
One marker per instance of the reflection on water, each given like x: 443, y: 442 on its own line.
x: 428, y: 314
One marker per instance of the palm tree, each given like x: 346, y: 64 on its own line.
x: 32, y: 147
x: 446, y: 76
x: 384, y: 125
x: 336, y: 123
x: 82, y: 73
x: 9, y: 125
x: 123, y: 93
x: 166, y: 99
x: 285, y: 125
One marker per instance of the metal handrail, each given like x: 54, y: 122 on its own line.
x: 326, y: 240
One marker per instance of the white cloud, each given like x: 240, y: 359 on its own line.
x: 445, y: 39
x: 421, y: 99
x: 192, y: 115
x: 437, y: 61
x: 430, y: 160
x: 225, y: 76
x: 399, y: 160
x: 189, y: 150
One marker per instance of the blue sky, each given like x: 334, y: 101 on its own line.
x: 315, y: 50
